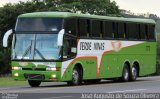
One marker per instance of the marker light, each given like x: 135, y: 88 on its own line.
x: 16, y: 68
x: 52, y: 69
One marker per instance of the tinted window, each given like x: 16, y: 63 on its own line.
x: 132, y: 31
x: 84, y: 27
x: 143, y: 31
x: 121, y: 30
x: 108, y: 28
x: 71, y: 26
x: 115, y: 29
x: 96, y: 28
x: 39, y: 24
x: 151, y: 32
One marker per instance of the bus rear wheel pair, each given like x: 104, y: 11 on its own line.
x: 129, y: 75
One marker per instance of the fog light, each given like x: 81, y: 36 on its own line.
x: 16, y: 74
x: 53, y: 76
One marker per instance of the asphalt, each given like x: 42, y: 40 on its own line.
x: 145, y: 87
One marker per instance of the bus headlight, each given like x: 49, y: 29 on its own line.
x: 16, y: 68
x: 52, y: 68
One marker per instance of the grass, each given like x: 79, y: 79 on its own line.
x: 9, y: 82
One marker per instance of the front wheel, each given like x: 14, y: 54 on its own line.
x: 76, y: 77
x: 34, y: 83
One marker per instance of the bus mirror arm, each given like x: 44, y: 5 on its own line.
x: 60, y: 37
x: 5, y: 38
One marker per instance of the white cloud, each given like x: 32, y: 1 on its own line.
x: 3, y: 2
x: 140, y: 6
x: 137, y: 6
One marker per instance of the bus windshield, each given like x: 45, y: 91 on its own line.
x: 36, y: 47
x: 39, y: 24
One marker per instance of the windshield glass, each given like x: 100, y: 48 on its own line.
x: 36, y: 47
x: 39, y: 24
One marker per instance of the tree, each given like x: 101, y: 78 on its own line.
x: 98, y: 7
x: 10, y: 12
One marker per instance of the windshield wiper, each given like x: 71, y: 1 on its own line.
x: 27, y: 50
x: 39, y: 53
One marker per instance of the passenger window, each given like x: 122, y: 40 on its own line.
x: 71, y: 26
x: 121, y: 30
x: 132, y: 31
x: 151, y: 32
x: 96, y: 28
x: 84, y: 28
x: 143, y: 31
x: 108, y: 30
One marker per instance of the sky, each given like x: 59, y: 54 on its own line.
x: 3, y: 2
x: 140, y: 6
x: 136, y: 6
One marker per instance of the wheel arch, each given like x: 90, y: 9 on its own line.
x: 80, y: 67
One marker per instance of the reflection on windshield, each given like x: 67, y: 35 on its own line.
x: 39, y: 24
x: 36, y: 47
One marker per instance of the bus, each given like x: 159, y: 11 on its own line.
x: 78, y: 48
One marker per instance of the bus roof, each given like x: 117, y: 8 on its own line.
x: 69, y: 14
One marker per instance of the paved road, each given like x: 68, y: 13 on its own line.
x: 63, y: 91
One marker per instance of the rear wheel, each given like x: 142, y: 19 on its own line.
x: 76, y: 77
x: 125, y: 74
x: 34, y: 83
x: 134, y: 73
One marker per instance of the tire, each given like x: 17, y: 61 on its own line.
x: 134, y: 73
x: 125, y: 74
x: 76, y: 77
x: 34, y: 83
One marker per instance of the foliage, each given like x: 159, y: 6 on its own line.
x: 98, y: 7
x: 9, y: 13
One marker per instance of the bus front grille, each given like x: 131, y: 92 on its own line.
x: 37, y: 69
x: 34, y: 76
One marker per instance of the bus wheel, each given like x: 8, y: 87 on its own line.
x: 34, y: 83
x: 134, y: 73
x: 76, y: 77
x: 125, y: 75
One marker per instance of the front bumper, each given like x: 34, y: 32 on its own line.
x: 36, y: 75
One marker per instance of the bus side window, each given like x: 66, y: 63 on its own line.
x: 101, y: 29
x: 151, y: 32
x: 142, y: 32
x: 84, y: 27
x: 71, y: 26
x: 108, y: 30
x: 132, y: 31
x: 146, y: 28
x: 121, y: 30
x: 95, y: 28
x: 115, y: 29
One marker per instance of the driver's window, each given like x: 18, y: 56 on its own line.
x: 69, y: 47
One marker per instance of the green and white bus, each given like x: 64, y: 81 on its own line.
x: 76, y: 48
